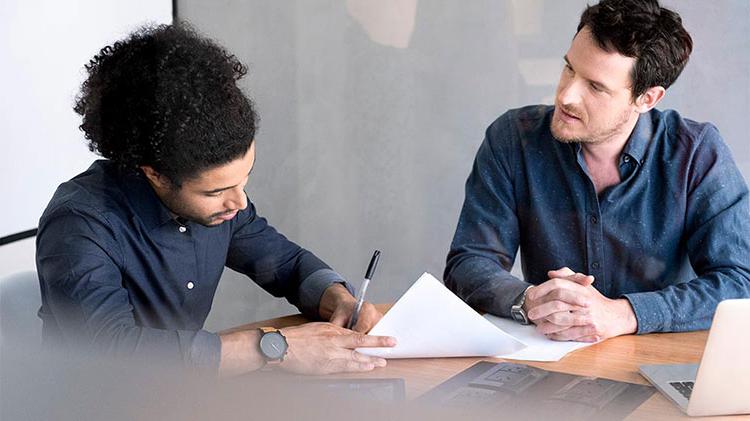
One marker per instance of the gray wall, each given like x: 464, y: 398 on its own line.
x: 369, y: 127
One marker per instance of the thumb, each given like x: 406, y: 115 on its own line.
x: 563, y: 272
x: 581, y: 279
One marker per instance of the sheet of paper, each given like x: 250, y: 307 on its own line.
x: 430, y: 321
x: 538, y: 348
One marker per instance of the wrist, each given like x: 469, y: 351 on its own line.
x: 332, y: 298
x: 526, y: 304
x: 518, y: 310
x: 240, y: 352
x: 273, y: 345
x: 628, y: 322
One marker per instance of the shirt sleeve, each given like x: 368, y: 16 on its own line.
x: 717, y: 238
x: 278, y: 265
x: 78, y: 263
x: 487, y: 236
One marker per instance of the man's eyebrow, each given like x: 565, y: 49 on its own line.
x: 221, y: 189
x: 601, y: 84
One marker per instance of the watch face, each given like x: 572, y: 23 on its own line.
x: 273, y: 345
x: 518, y: 315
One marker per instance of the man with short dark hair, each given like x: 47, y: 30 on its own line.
x: 130, y: 252
x: 628, y: 219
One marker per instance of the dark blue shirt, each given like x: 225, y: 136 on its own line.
x: 119, y: 274
x: 673, y: 237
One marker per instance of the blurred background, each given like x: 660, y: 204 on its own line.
x: 371, y: 113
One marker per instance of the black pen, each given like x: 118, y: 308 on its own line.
x: 361, y: 296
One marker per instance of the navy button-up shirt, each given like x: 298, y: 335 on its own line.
x: 673, y: 237
x: 120, y: 275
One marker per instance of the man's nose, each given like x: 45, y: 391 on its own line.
x: 237, y: 199
x: 569, y: 92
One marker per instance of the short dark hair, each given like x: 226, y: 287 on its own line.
x: 644, y: 30
x: 166, y: 97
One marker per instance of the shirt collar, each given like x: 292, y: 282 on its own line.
x: 144, y: 201
x: 639, y: 138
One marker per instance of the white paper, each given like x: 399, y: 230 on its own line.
x: 539, y: 347
x: 430, y: 321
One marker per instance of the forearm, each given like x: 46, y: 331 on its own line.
x: 189, y: 349
x: 484, y: 284
x: 626, y: 322
x: 111, y: 331
x: 280, y: 266
x: 689, y: 305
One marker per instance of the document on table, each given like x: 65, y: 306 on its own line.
x: 431, y: 321
x: 539, y: 347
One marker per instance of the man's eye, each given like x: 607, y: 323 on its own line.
x: 596, y: 87
x: 217, y: 194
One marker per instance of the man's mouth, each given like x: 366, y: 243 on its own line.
x: 227, y: 215
x: 567, y: 116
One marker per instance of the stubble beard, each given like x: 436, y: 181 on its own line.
x: 596, y: 138
x: 176, y: 207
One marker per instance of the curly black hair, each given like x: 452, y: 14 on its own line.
x: 166, y: 97
x: 644, y: 30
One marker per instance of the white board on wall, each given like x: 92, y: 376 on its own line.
x: 44, y: 45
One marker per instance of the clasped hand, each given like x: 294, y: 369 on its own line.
x: 568, y: 308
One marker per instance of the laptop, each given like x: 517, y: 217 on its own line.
x: 720, y: 384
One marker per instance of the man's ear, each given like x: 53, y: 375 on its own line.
x: 649, y: 99
x: 159, y: 181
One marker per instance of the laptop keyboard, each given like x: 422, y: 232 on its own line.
x: 685, y: 388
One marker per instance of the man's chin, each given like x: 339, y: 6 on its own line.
x: 567, y: 139
x: 213, y: 222
x: 564, y: 138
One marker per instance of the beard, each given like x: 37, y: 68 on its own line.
x: 600, y: 135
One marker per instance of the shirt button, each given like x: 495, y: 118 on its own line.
x: 595, y: 265
x: 594, y: 220
x: 190, y: 285
x: 626, y: 158
x: 182, y: 229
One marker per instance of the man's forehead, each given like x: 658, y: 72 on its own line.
x: 593, y: 62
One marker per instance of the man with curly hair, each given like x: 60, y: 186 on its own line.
x: 130, y: 252
x: 628, y: 219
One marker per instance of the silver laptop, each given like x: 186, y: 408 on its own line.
x: 720, y: 385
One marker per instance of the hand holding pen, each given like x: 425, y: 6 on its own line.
x: 363, y: 290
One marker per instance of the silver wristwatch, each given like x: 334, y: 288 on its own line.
x: 517, y: 311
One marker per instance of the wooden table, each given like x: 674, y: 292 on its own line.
x: 616, y: 359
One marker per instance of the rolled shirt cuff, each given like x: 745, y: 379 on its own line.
x: 204, y: 352
x: 311, y: 290
x: 651, y: 312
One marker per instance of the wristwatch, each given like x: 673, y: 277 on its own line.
x: 273, y: 345
x: 517, y: 311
